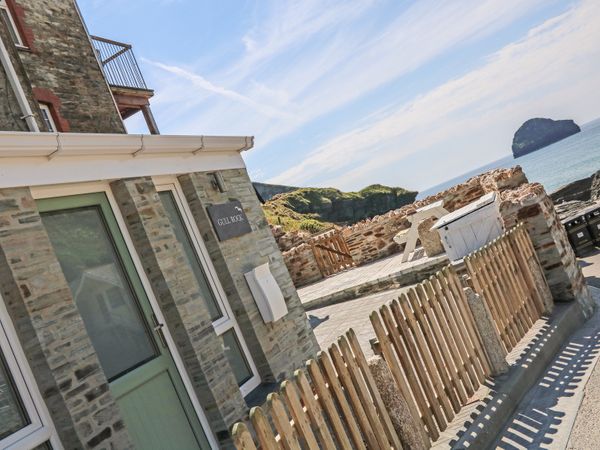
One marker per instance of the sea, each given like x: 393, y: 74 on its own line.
x: 554, y: 166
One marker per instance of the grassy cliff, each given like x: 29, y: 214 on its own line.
x: 316, y: 209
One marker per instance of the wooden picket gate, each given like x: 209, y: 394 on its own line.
x: 503, y: 274
x: 337, y: 406
x: 331, y: 252
x: 429, y: 340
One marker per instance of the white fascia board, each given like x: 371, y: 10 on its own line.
x: 35, y: 159
x: 18, y: 144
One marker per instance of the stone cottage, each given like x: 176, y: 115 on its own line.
x: 126, y: 320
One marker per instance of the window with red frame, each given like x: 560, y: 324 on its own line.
x: 47, y: 118
x: 10, y: 23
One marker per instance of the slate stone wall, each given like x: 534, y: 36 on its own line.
x: 10, y: 111
x: 51, y: 331
x: 277, y: 348
x: 177, y: 291
x: 61, y: 67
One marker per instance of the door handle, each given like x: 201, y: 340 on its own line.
x: 158, y: 329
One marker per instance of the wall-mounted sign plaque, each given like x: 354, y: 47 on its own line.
x: 229, y: 220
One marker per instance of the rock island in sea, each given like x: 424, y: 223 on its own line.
x: 538, y: 133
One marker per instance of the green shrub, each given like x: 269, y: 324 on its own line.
x: 312, y: 225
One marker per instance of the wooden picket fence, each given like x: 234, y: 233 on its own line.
x: 337, y: 406
x: 431, y: 344
x: 503, y: 274
x: 429, y: 340
x: 331, y: 252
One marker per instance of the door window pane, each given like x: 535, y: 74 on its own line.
x: 236, y: 357
x: 101, y: 288
x: 12, y: 414
x: 185, y: 240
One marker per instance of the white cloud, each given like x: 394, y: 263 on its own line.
x: 202, y: 83
x: 555, y: 64
x: 309, y: 58
x: 289, y: 24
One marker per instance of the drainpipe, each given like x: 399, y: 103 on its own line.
x: 17, y: 89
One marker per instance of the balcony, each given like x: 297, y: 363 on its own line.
x: 125, y: 79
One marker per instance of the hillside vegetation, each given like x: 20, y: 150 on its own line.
x: 317, y: 209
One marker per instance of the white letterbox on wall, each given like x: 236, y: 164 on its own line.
x: 470, y: 227
x: 267, y: 293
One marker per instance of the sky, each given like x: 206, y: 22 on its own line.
x: 348, y: 93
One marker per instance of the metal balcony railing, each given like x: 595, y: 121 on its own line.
x: 118, y: 63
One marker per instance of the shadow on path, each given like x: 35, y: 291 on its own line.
x: 537, y: 422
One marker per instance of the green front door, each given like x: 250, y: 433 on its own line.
x: 120, y: 323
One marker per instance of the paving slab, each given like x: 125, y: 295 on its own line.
x: 332, y: 321
x: 382, y: 275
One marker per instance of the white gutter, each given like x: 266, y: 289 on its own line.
x: 54, y: 145
x: 17, y: 89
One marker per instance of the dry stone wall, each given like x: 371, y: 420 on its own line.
x: 289, y: 240
x: 373, y: 239
x: 302, y: 264
x: 530, y: 204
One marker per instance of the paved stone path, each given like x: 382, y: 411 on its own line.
x: 330, y: 322
x: 546, y: 416
x: 586, y: 431
x: 359, y: 275
x: 563, y: 409
x: 590, y: 266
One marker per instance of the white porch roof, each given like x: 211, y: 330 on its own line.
x: 33, y: 159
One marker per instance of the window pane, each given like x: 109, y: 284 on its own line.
x: 184, y: 239
x: 101, y: 289
x: 12, y: 414
x: 47, y: 118
x: 236, y: 358
x: 9, y: 24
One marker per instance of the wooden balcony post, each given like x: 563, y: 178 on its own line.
x: 150, y: 122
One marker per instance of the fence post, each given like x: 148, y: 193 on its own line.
x: 409, y: 428
x: 490, y: 339
x: 540, y: 281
